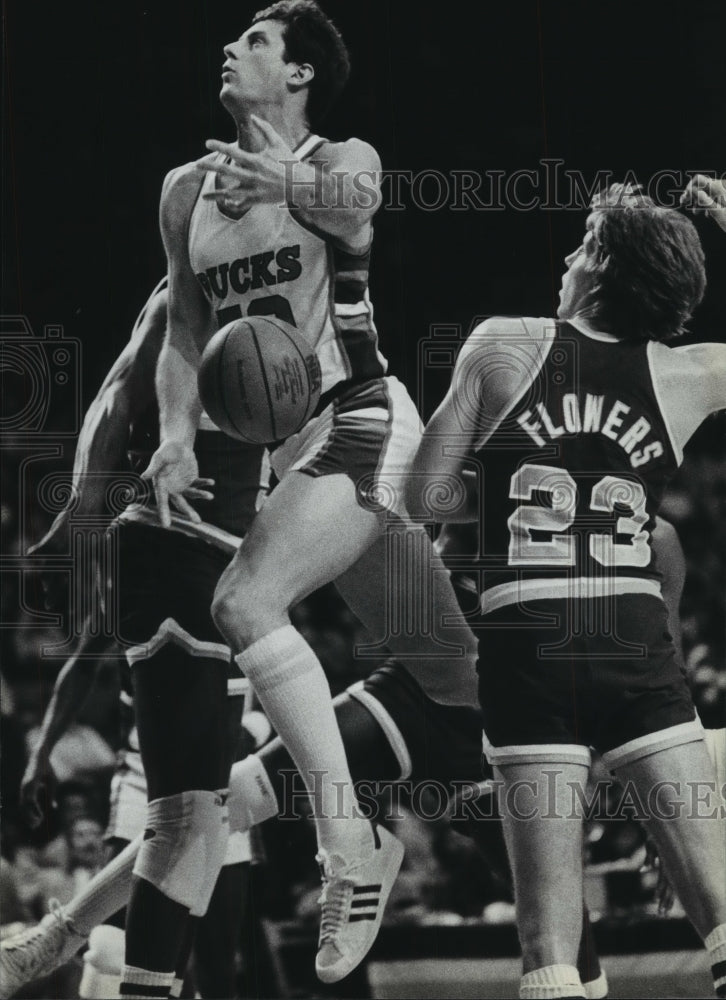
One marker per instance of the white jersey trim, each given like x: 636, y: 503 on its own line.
x: 308, y: 145
x: 237, y: 686
x: 580, y: 587
x: 657, y: 390
x: 370, y: 413
x: 387, y: 724
x: 601, y: 335
x: 664, y: 739
x: 537, y: 753
x: 351, y: 309
x: 171, y: 631
x: 206, y: 423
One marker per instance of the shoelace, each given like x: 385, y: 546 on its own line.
x: 40, y: 933
x: 57, y: 911
x: 335, y: 900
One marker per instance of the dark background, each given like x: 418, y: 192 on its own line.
x: 102, y: 99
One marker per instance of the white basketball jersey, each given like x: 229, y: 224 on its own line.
x: 268, y: 263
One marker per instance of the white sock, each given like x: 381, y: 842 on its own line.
x: 252, y: 798
x: 551, y: 982
x: 292, y: 688
x: 106, y: 893
x: 145, y: 984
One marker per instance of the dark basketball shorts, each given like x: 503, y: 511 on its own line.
x: 557, y: 677
x: 163, y: 583
x: 369, y: 432
x: 432, y: 742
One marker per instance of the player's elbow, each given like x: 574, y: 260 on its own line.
x: 438, y: 496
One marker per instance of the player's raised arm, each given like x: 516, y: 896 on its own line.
x: 101, y: 449
x: 492, y: 370
x: 337, y: 193
x: 173, y: 467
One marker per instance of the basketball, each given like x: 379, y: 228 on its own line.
x: 259, y: 380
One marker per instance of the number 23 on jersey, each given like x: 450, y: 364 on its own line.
x: 610, y: 494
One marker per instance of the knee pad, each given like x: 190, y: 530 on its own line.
x: 184, y: 846
x: 103, y: 964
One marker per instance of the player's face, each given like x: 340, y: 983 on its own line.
x: 255, y: 70
x: 577, y: 281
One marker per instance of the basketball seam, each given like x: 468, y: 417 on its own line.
x: 273, y: 425
x: 220, y: 383
x: 308, y: 409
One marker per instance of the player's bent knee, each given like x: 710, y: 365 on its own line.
x: 103, y: 964
x: 238, y: 605
x: 222, y: 611
x: 184, y: 847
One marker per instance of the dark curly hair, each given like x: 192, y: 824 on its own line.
x: 311, y: 37
x: 649, y: 266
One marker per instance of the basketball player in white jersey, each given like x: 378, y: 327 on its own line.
x: 574, y: 427
x: 283, y: 226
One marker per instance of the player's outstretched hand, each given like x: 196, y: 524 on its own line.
x: 38, y: 791
x: 255, y: 177
x: 708, y: 194
x: 174, y: 473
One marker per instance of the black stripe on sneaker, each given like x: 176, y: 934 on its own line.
x: 718, y: 970
x: 357, y: 889
x: 361, y: 916
x: 364, y: 902
x: 139, y: 990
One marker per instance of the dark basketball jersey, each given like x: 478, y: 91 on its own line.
x: 573, y: 476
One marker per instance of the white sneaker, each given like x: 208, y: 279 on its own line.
x: 38, y: 951
x: 353, y: 900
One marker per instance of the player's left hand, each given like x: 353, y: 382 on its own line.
x: 38, y: 790
x: 174, y: 473
x: 256, y: 177
x: 707, y: 194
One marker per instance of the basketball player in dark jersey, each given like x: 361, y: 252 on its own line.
x: 573, y: 428
x: 162, y: 580
x: 282, y: 227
